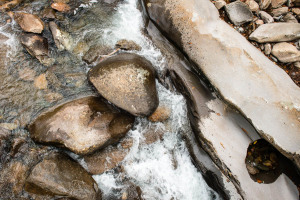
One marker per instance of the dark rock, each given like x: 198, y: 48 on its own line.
x: 128, y: 45
x: 83, y: 125
x: 49, y: 13
x: 239, y: 13
x: 37, y: 46
x: 59, y: 176
x: 128, y: 81
x: 95, y: 53
x: 29, y: 22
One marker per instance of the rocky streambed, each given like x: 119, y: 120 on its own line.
x: 114, y: 99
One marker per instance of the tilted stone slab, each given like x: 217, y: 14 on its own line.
x: 244, y: 77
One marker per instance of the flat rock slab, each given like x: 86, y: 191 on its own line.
x: 128, y: 81
x: 59, y: 176
x: 243, y: 76
x: 83, y: 125
x: 239, y: 13
x: 276, y: 32
x: 223, y: 133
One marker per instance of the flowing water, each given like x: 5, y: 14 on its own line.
x: 163, y: 169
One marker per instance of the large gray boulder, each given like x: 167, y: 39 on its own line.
x: 242, y: 75
x: 222, y: 132
x: 83, y: 125
x: 128, y: 81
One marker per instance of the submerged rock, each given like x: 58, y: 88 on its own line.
x: 239, y: 13
x: 29, y: 22
x: 59, y: 176
x: 128, y: 45
x: 61, y: 38
x: 83, y: 125
x: 128, y: 81
x: 286, y: 52
x: 276, y: 32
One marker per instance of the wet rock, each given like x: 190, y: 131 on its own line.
x: 61, y: 7
x: 277, y: 3
x: 279, y: 11
x: 49, y: 13
x: 161, y: 114
x: 264, y: 4
x: 261, y: 98
x: 95, y: 53
x: 201, y: 108
x: 9, y: 5
x: 290, y: 18
x: 128, y: 81
x: 254, y: 7
x: 286, y: 52
x: 57, y: 175
x: 4, y: 146
x: 37, y: 46
x: 83, y: 125
x: 61, y: 38
x: 128, y: 45
x: 40, y: 82
x: 27, y: 74
x: 29, y: 22
x: 238, y: 13
x: 220, y: 4
x: 268, y: 48
x: 276, y: 32
x: 104, y: 160
x: 266, y: 17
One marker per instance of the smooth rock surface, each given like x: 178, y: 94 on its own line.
x: 266, y: 17
x: 242, y: 75
x: 83, y: 125
x: 128, y: 81
x: 223, y: 133
x: 277, y: 3
x: 290, y: 18
x: 268, y: 48
x: 264, y: 4
x: 220, y: 4
x: 29, y: 22
x: 279, y: 11
x: 252, y: 5
x: 238, y: 13
x: 59, y: 176
x: 276, y: 32
x: 286, y: 52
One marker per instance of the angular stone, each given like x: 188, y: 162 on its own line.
x: 286, y: 52
x: 238, y: 13
x: 61, y: 38
x: 279, y: 11
x: 57, y: 175
x: 36, y: 45
x: 61, y: 7
x: 83, y: 125
x: 266, y: 17
x: 276, y: 32
x: 128, y: 81
x: 220, y: 4
x: 243, y: 76
x: 254, y: 7
x: 277, y: 3
x: 29, y: 22
x: 264, y: 4
x: 290, y: 18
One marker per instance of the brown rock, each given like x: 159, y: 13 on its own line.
x: 279, y: 11
x: 160, y: 114
x: 128, y: 81
x: 9, y: 5
x: 277, y: 3
x: 29, y: 22
x: 40, y: 82
x: 83, y: 125
x: 57, y: 175
x: 104, y: 160
x: 128, y: 45
x: 49, y: 13
x: 264, y: 4
x: 61, y: 7
x: 95, y: 53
